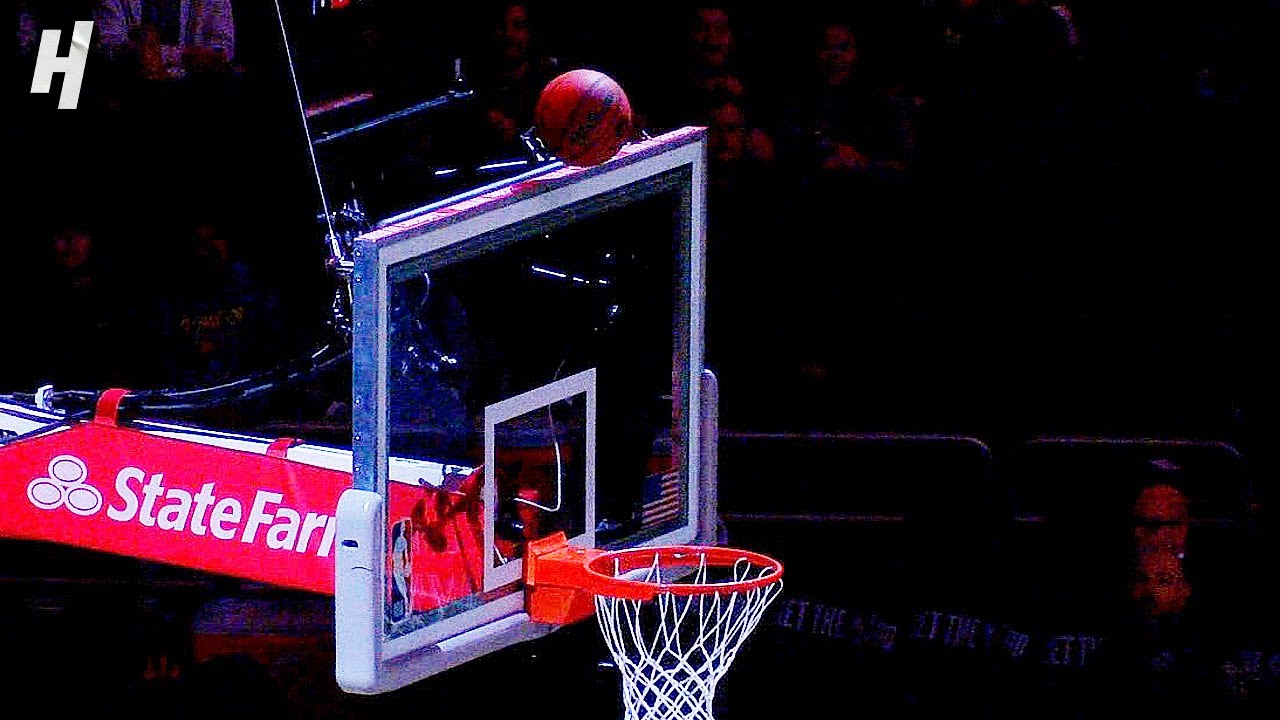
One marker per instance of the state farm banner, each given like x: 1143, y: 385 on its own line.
x: 122, y: 491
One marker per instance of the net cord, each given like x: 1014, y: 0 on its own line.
x: 671, y: 663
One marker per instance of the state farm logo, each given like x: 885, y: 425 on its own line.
x: 65, y: 485
x: 258, y: 516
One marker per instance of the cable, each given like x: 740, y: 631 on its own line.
x: 178, y: 400
x: 306, y: 127
x: 555, y: 442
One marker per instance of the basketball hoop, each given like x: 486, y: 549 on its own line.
x: 673, y: 617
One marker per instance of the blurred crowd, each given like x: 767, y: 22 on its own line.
x: 999, y: 218
x: 988, y: 214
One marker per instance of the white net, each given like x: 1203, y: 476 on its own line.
x: 672, y: 651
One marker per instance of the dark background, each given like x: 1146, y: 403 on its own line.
x: 1094, y: 266
x: 1077, y: 248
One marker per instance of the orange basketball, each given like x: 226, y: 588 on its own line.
x: 583, y: 116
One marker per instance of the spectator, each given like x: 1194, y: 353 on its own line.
x: 714, y: 52
x: 169, y: 38
x: 739, y: 175
x: 1160, y: 659
x: 28, y: 31
x: 711, y: 70
x: 511, y: 76
x: 744, y: 204
x: 1160, y: 584
x: 844, y: 124
x: 1030, y: 93
x: 996, y: 60
x: 737, y: 156
x: 78, y: 326
x: 954, y: 132
x: 215, y: 319
x: 34, y: 17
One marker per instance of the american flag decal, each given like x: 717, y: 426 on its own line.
x: 663, y: 499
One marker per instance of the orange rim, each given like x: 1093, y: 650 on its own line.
x: 601, y: 582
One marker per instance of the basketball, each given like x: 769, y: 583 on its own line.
x: 584, y: 117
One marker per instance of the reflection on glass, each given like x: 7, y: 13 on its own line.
x: 540, y: 460
x: 499, y: 316
x: 435, y: 554
x: 401, y: 574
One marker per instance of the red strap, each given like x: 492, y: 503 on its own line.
x: 107, y: 411
x: 279, y: 448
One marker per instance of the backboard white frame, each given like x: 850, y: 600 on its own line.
x: 380, y: 663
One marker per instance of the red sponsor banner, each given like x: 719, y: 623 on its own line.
x: 122, y: 491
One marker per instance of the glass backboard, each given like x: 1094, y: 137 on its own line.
x: 543, y: 336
